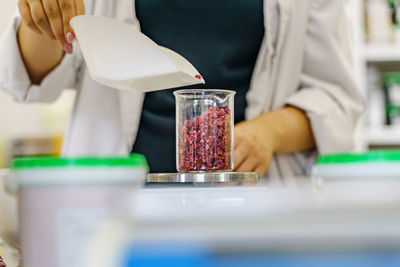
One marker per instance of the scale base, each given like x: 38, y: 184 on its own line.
x: 204, y: 177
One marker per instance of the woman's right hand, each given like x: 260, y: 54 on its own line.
x: 51, y: 18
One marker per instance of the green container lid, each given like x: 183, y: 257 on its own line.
x: 373, y: 156
x: 391, y: 78
x: 134, y: 160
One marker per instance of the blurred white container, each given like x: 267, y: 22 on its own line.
x: 194, y: 226
x: 8, y: 211
x: 63, y: 200
x: 375, y: 164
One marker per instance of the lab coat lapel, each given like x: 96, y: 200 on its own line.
x: 260, y: 95
x: 285, y: 9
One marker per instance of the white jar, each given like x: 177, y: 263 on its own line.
x: 63, y: 200
x: 375, y: 164
x: 8, y: 211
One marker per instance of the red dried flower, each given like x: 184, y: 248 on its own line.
x: 204, y: 143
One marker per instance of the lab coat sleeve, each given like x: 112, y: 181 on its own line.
x: 14, y: 78
x: 328, y: 92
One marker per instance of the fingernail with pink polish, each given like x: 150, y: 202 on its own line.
x: 70, y: 37
x: 68, y: 48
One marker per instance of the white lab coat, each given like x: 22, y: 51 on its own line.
x: 304, y: 61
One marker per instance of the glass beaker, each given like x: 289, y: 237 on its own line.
x: 204, y: 130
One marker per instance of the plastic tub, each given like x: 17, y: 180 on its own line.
x: 380, y: 164
x: 204, y: 130
x: 8, y: 218
x: 8, y: 208
x: 63, y: 200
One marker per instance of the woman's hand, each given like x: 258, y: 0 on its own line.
x: 51, y: 18
x: 253, y: 147
x: 285, y: 130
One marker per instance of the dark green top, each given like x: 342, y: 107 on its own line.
x: 220, y: 38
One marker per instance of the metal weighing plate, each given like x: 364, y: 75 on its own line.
x: 204, y: 177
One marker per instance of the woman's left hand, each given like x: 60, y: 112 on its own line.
x: 284, y: 130
x: 254, y: 147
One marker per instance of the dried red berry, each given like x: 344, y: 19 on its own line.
x: 204, y: 143
x: 198, y: 76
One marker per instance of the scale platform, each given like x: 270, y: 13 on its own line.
x: 204, y: 178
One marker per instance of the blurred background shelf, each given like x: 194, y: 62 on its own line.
x: 382, y: 53
x: 375, y: 35
x: 384, y: 136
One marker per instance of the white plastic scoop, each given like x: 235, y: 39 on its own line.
x: 119, y: 56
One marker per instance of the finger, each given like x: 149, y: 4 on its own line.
x: 79, y: 7
x: 238, y: 133
x: 262, y: 167
x: 67, y: 8
x: 249, y: 164
x: 236, y: 139
x: 54, y: 16
x: 240, y: 154
x: 40, y: 19
x: 262, y: 170
x: 79, y: 10
x: 26, y: 16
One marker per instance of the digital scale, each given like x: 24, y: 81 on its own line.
x: 204, y: 178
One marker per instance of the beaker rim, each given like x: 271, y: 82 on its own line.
x: 203, y: 91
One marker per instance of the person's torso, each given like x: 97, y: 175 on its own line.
x: 220, y: 38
